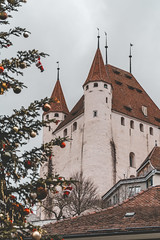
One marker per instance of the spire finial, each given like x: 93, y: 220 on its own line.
x: 130, y: 56
x: 106, y: 46
x: 58, y: 70
x: 98, y: 37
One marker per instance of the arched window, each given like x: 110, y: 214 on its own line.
x: 141, y: 127
x: 151, y: 131
x: 132, y: 162
x: 122, y: 121
x: 95, y: 85
x: 74, y: 126
x: 132, y: 124
x: 105, y: 85
x: 56, y: 115
x: 65, y: 132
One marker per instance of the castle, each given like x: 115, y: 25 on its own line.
x: 113, y: 127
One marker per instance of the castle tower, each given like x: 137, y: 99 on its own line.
x: 58, y: 111
x: 97, y: 156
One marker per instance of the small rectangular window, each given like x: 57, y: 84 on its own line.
x: 115, y: 199
x: 94, y: 113
x: 137, y: 189
x: 106, y: 100
x: 95, y: 85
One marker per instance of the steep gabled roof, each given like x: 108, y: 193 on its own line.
x: 97, y: 71
x: 60, y: 105
x: 77, y: 110
x: 154, y: 158
x: 129, y: 96
x: 143, y: 215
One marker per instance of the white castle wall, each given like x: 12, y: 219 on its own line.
x: 131, y: 140
x: 67, y: 161
x: 47, y: 131
x: 100, y: 145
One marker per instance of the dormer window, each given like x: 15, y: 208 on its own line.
x: 116, y: 71
x: 105, y: 85
x: 56, y: 115
x: 144, y: 110
x: 95, y: 85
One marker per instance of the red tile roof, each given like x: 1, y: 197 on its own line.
x: 75, y: 112
x: 57, y: 94
x: 97, y: 71
x: 127, y: 92
x: 128, y: 95
x: 154, y: 158
x: 145, y: 206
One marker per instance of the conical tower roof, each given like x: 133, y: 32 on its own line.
x: 57, y: 95
x: 98, y: 71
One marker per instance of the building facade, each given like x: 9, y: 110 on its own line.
x: 113, y: 127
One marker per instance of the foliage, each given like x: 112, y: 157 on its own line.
x: 82, y: 197
x: 20, y: 184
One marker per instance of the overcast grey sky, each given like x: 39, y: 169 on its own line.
x: 67, y: 30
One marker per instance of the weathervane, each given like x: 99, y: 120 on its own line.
x: 58, y: 70
x: 130, y: 56
x: 98, y: 37
x: 106, y: 46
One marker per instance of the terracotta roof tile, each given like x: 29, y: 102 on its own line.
x: 128, y: 95
x: 75, y: 112
x: 97, y: 71
x: 153, y: 157
x: 126, y: 90
x: 57, y: 94
x: 145, y: 206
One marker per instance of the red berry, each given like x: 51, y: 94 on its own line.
x: 12, y: 197
x: 62, y: 145
x: 28, y: 164
x: 1, y: 69
x: 26, y: 211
